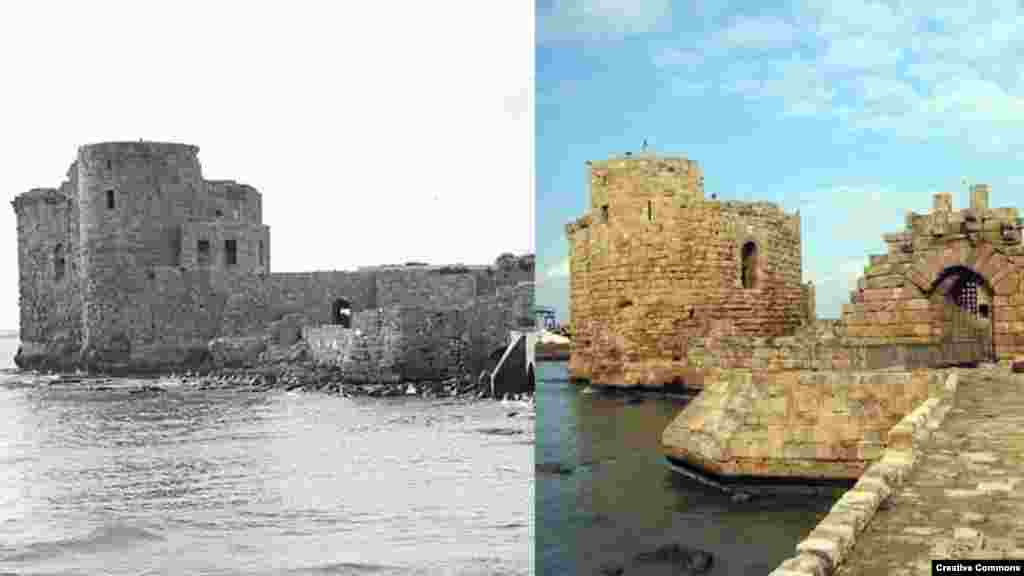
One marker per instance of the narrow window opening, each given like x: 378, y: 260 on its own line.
x: 983, y: 310
x: 261, y: 252
x: 650, y: 211
x: 341, y: 313
x: 203, y: 252
x: 749, y: 265
x: 604, y: 213
x: 109, y: 165
x: 230, y: 252
x: 110, y: 199
x: 58, y: 262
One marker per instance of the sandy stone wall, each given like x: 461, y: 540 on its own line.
x: 802, y: 424
x: 899, y: 298
x: 654, y: 263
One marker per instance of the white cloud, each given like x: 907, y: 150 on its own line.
x: 597, y: 20
x: 558, y: 270
x: 898, y: 71
x: 758, y: 34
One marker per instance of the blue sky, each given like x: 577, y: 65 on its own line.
x: 851, y: 112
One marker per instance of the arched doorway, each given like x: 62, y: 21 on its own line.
x: 341, y: 313
x: 963, y: 301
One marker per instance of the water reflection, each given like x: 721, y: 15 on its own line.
x: 622, y: 501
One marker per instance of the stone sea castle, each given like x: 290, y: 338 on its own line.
x: 669, y: 288
x: 136, y: 262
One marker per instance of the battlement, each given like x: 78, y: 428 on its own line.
x: 103, y: 150
x: 631, y: 178
x: 35, y: 195
x: 996, y: 225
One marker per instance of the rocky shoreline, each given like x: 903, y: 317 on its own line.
x: 279, y: 368
x: 305, y: 378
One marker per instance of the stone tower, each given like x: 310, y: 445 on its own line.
x: 654, y: 263
x: 133, y: 198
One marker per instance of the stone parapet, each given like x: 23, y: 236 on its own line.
x: 796, y: 424
x: 830, y: 542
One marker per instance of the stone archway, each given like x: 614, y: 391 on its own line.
x: 962, y: 301
x: 341, y: 313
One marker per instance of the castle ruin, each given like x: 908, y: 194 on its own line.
x: 654, y: 262
x: 670, y: 289
x: 137, y: 262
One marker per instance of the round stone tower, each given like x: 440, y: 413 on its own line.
x: 133, y: 198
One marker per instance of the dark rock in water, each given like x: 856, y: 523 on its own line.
x: 501, y: 431
x: 611, y: 570
x: 553, y: 468
x: 700, y: 562
x: 692, y: 560
x: 740, y: 497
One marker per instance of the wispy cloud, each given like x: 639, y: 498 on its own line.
x: 556, y: 271
x: 758, y: 34
x: 599, y: 20
x: 915, y: 73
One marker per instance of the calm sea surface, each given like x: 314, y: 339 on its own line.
x: 621, y: 500
x: 121, y: 481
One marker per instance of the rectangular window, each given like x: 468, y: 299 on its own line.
x: 110, y: 199
x: 203, y: 250
x: 261, y: 252
x: 230, y: 252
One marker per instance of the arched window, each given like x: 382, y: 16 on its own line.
x: 58, y: 262
x: 748, y: 270
x: 341, y: 313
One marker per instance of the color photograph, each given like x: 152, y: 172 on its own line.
x: 781, y: 246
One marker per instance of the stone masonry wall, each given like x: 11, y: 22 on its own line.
x: 50, y: 298
x: 899, y: 299
x: 429, y: 286
x: 663, y: 265
x: 416, y: 343
x: 128, y: 222
x: 796, y: 424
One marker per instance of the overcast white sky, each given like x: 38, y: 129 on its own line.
x: 378, y: 132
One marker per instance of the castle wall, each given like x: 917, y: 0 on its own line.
x: 230, y: 200
x: 48, y: 281
x: 428, y: 286
x: 900, y: 299
x: 138, y: 293
x: 402, y: 342
x: 796, y: 424
x: 659, y: 267
x: 252, y: 245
